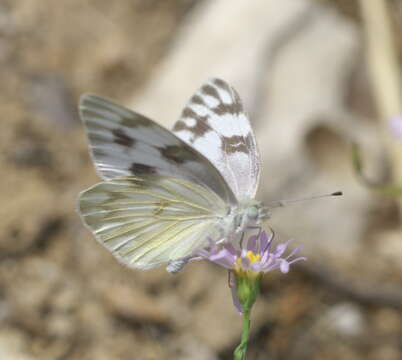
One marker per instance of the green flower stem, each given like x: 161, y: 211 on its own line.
x: 241, y: 350
x: 248, y: 289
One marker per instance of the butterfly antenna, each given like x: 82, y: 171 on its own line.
x: 282, y: 203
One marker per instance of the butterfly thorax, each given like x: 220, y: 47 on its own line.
x: 249, y: 212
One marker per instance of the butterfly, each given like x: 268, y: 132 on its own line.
x: 165, y: 193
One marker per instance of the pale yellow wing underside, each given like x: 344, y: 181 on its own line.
x: 149, y: 220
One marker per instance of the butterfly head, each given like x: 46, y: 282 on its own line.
x: 254, y: 212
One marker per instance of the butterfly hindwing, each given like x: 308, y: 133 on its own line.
x: 124, y: 143
x: 214, y: 123
x: 149, y: 220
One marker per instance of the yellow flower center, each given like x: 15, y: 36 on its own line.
x: 253, y: 257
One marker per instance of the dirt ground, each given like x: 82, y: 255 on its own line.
x: 62, y: 296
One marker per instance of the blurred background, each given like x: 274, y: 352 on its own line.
x: 315, y: 76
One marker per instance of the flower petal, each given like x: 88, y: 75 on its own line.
x: 235, y: 299
x: 264, y: 257
x: 246, y: 263
x: 294, y: 251
x: 223, y: 258
x: 265, y: 241
x: 271, y: 264
x: 256, y: 266
x: 231, y: 249
x: 284, y: 266
x: 280, y: 249
x: 253, y: 244
x: 297, y: 259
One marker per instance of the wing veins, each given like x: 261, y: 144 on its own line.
x: 156, y: 235
x: 136, y: 237
x: 118, y: 234
x: 161, y: 217
x: 200, y: 193
x: 193, y: 205
x: 106, y: 211
x: 167, y: 240
x: 110, y: 228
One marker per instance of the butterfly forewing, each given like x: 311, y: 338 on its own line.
x: 149, y: 220
x: 214, y: 123
x: 124, y: 143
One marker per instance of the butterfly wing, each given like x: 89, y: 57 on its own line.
x: 124, y: 143
x: 214, y: 123
x: 149, y: 220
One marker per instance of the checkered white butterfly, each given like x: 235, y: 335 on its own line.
x: 165, y: 193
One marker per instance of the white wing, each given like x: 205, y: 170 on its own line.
x: 150, y: 220
x: 124, y: 143
x: 214, y: 123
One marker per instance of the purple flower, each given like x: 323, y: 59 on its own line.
x: 249, y: 259
x: 255, y: 256
x: 396, y: 126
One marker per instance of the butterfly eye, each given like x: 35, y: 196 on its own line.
x: 252, y: 212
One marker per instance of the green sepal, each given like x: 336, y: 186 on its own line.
x: 248, y: 288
